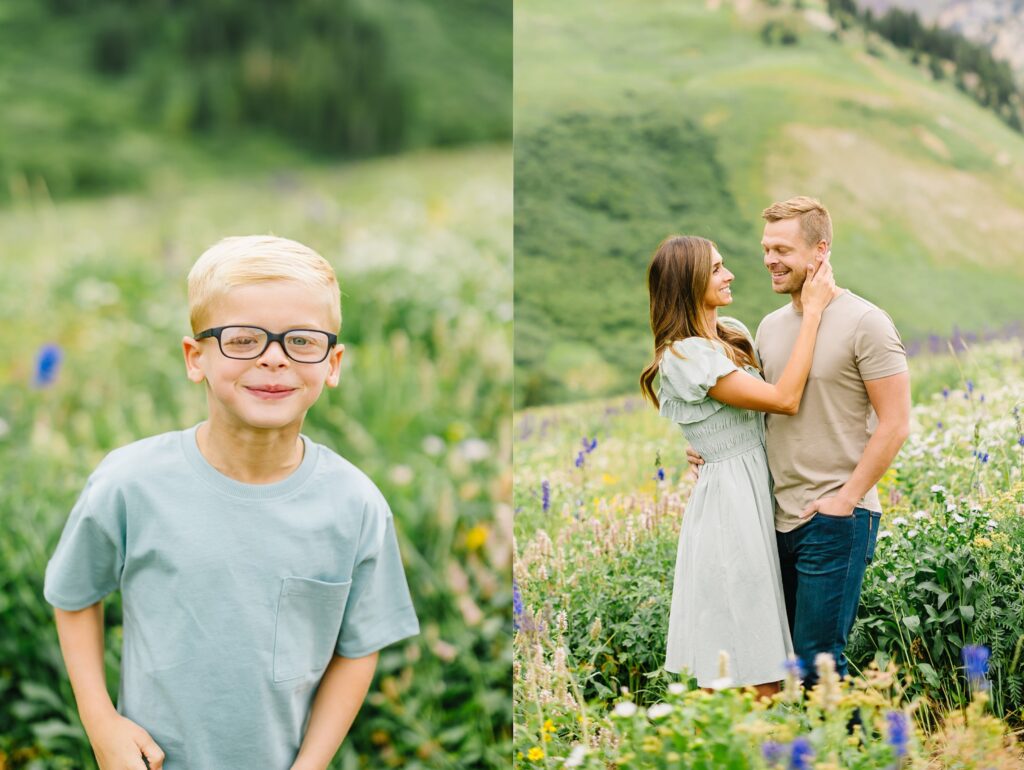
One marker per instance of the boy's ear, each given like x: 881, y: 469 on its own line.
x: 334, y: 358
x: 191, y: 350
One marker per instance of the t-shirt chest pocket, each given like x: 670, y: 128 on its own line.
x: 309, y: 614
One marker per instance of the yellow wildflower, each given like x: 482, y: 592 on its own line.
x: 476, y: 537
x: 549, y: 726
x: 535, y: 754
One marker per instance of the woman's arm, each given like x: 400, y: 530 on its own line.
x: 740, y: 390
x: 342, y: 690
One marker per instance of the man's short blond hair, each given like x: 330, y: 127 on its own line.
x: 249, y: 259
x: 815, y: 222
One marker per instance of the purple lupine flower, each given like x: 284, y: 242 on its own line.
x: 1020, y: 441
x: 517, y: 606
x: 945, y: 392
x: 794, y: 667
x: 579, y: 460
x: 47, y: 365
x: 773, y: 752
x: 970, y: 386
x: 982, y: 398
x: 898, y: 734
x: 802, y: 753
x: 589, y: 445
x: 545, y: 495
x: 660, y: 475
x: 939, y: 425
x: 975, y: 658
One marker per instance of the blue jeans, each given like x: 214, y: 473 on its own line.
x: 823, y: 565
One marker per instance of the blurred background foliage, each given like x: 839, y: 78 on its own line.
x: 101, y: 96
x: 135, y: 134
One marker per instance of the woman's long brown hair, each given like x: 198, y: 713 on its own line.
x: 677, y: 280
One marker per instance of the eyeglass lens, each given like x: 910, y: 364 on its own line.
x: 250, y: 342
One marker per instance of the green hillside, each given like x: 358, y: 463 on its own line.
x: 634, y: 121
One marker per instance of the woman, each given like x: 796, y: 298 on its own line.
x: 727, y: 595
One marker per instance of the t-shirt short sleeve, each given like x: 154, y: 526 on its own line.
x: 87, y: 563
x: 379, y: 610
x: 697, y: 367
x: 877, y: 346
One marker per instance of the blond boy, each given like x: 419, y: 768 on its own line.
x: 259, y: 571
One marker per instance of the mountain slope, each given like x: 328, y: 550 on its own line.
x: 637, y: 121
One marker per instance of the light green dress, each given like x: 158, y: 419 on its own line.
x: 727, y: 593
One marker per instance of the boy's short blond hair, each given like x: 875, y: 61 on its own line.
x: 815, y: 221
x: 248, y: 259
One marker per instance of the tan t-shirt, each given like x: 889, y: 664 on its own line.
x: 813, y: 453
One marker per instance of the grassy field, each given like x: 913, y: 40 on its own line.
x: 600, y: 491
x: 678, y: 117
x: 422, y: 247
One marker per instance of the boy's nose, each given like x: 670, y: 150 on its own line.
x: 274, y: 354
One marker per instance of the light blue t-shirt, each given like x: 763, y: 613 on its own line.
x: 235, y: 595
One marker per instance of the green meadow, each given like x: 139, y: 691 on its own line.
x: 634, y: 122
x: 421, y: 244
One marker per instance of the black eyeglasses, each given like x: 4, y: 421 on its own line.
x: 306, y: 346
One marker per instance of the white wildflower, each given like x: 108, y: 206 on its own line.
x: 899, y: 520
x: 432, y: 445
x: 912, y: 534
x: 884, y: 534
x: 625, y: 709
x: 958, y: 518
x: 938, y: 488
x: 721, y: 683
x: 677, y: 688
x: 920, y: 515
x: 890, y: 579
x: 575, y: 758
x: 950, y: 507
x: 991, y: 524
x: 475, y: 449
x: 400, y: 475
x: 659, y: 710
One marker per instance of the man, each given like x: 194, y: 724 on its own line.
x: 826, y: 460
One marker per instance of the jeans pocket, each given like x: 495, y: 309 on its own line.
x: 874, y: 523
x: 309, y: 616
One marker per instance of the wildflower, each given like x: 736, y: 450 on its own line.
x: 939, y: 425
x: 624, y: 709
x: 475, y: 449
x: 897, y: 738
x: 794, y: 673
x: 563, y: 621
x: 575, y: 759
x: 975, y: 658
x: 890, y: 579
x: 549, y: 726
x: 899, y: 520
x: 660, y: 475
x: 828, y: 680
x: 517, y: 606
x: 659, y: 710
x: 970, y: 386
x: 938, y: 489
x: 1020, y: 441
x: 945, y: 392
x: 773, y: 752
x: 991, y: 524
x: 433, y: 445
x: 802, y: 753
x: 476, y: 537
x: 595, y: 628
x: 589, y: 445
x: 958, y: 518
x: 676, y: 688
x: 793, y: 667
x: 884, y: 534
x: 47, y: 365
x: 545, y: 495
x: 579, y: 460
x: 920, y: 515
x: 535, y: 754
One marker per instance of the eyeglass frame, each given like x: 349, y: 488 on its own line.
x: 278, y: 337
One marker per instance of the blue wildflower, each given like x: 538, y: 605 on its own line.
x: 982, y: 399
x: 802, y: 752
x: 545, y: 495
x: 939, y: 425
x: 975, y: 658
x: 1020, y: 441
x: 773, y: 752
x: 660, y: 475
x: 579, y: 460
x: 589, y: 445
x: 945, y: 392
x: 47, y: 365
x: 970, y: 386
x: 794, y: 668
x: 898, y: 734
x: 517, y: 606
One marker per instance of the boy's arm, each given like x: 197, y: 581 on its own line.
x: 342, y: 690
x: 118, y: 742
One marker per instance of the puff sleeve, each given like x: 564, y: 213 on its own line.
x: 688, y: 370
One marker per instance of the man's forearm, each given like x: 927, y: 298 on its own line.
x: 881, y: 450
x: 342, y: 691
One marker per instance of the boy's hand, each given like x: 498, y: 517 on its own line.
x: 120, y: 744
x: 695, y: 461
